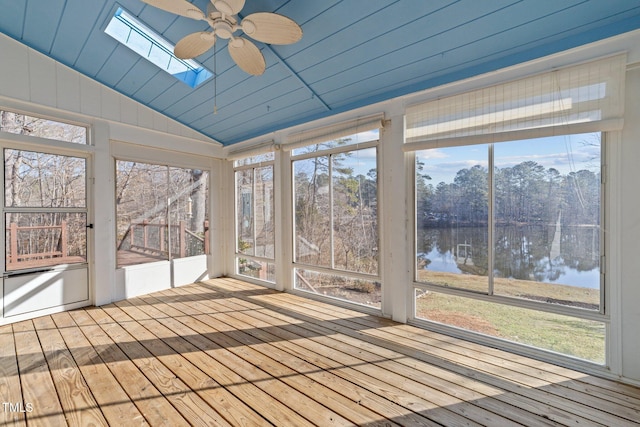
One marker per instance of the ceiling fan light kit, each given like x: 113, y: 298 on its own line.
x: 265, y: 27
x: 223, y: 29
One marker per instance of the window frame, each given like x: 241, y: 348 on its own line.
x: 331, y: 271
x: 607, y: 313
x: 55, y: 143
x: 609, y: 70
x: 86, y: 210
x: 157, y: 161
x: 194, y: 73
x: 249, y: 165
x: 602, y: 314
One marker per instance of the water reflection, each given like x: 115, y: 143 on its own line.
x: 566, y: 255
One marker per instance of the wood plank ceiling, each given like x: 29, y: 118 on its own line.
x: 353, y: 52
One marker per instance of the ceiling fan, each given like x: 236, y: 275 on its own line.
x: 265, y: 27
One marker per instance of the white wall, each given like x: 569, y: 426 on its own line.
x: 46, y: 86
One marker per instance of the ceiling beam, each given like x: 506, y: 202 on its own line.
x: 278, y: 58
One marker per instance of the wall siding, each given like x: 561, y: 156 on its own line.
x: 29, y: 76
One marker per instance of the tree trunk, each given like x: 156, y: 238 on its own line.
x: 199, y: 201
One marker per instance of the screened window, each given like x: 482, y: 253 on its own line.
x: 23, y: 124
x: 355, y: 139
x: 509, y: 207
x: 527, y: 229
x: 45, y: 210
x: 542, y: 242
x: 569, y: 335
x: 255, y: 249
x: 161, y: 212
x: 336, y: 219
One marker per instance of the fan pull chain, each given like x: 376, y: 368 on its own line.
x: 215, y: 82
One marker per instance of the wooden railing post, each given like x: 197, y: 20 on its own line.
x: 63, y: 238
x: 13, y: 256
x: 39, y: 252
x: 161, y: 233
x: 132, y: 232
x: 206, y: 237
x: 183, y: 239
x: 145, y: 234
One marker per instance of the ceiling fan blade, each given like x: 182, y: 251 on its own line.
x: 179, y: 7
x: 228, y: 7
x: 247, y: 55
x: 194, y: 44
x: 270, y: 27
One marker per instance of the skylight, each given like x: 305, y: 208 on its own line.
x: 132, y: 33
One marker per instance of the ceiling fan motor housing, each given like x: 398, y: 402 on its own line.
x: 223, y: 29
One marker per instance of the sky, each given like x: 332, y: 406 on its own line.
x: 568, y: 153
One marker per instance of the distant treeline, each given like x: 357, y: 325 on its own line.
x: 526, y: 193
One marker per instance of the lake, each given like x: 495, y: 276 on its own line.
x: 568, y: 255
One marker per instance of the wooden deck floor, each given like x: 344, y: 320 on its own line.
x: 134, y: 258
x: 229, y: 353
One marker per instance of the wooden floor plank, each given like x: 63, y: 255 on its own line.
x: 268, y: 360
x: 559, y: 407
x: 227, y: 352
x: 479, y: 363
x: 590, y: 395
x: 336, y: 355
x: 37, y: 385
x: 79, y: 405
x: 335, y: 383
x: 290, y: 387
x: 114, y: 402
x: 222, y: 366
x: 237, y: 319
x: 184, y: 399
x: 598, y: 388
x: 328, y: 338
x: 327, y: 341
x: 233, y: 410
x: 10, y: 388
x: 590, y: 406
x: 191, y: 406
x: 156, y: 409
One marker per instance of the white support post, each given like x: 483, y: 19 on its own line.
x: 394, y: 216
x: 102, y: 277
x: 283, y: 220
x: 225, y: 242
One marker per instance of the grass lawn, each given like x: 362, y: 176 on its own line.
x: 559, y: 333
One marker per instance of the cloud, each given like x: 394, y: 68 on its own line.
x: 431, y: 154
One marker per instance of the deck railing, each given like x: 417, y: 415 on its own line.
x: 35, y: 246
x: 159, y: 238
x: 61, y: 242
